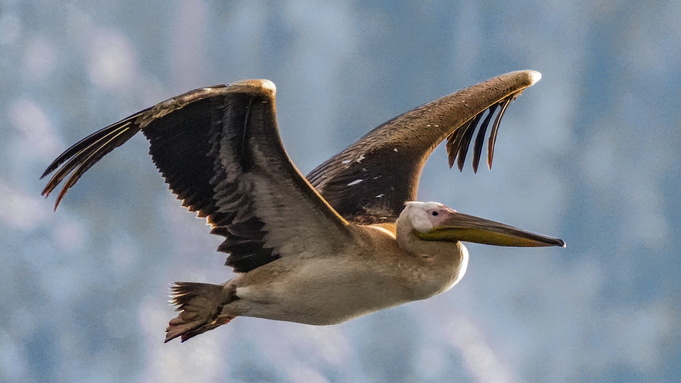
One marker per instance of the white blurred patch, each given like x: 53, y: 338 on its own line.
x: 36, y: 130
x: 190, y: 36
x: 328, y: 343
x: 10, y: 29
x: 68, y: 235
x: 40, y: 58
x: 123, y: 253
x: 111, y: 61
x: 478, y: 355
x: 430, y: 362
x: 19, y: 211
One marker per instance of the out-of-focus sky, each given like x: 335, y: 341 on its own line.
x: 589, y: 154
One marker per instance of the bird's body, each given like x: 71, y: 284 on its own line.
x: 381, y: 266
x: 320, y: 250
x: 358, y: 279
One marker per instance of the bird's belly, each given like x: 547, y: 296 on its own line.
x: 318, y: 292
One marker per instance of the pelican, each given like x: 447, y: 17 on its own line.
x: 347, y: 240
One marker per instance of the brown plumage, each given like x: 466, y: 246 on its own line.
x: 389, y: 159
x: 317, y: 252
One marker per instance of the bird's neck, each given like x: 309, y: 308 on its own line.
x: 445, y: 262
x: 408, y: 241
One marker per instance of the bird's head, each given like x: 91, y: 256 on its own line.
x: 432, y: 221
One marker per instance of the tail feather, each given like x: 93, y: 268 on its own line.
x: 200, y: 306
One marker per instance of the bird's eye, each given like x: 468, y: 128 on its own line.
x: 434, y: 213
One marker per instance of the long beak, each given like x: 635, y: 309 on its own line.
x: 467, y: 228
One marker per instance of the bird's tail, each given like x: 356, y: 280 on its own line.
x: 200, y: 306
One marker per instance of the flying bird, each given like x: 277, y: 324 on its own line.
x: 349, y: 239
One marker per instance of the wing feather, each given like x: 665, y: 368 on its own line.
x: 265, y: 208
x: 370, y: 180
x: 178, y: 125
x: 219, y: 150
x: 493, y: 134
x: 480, y: 138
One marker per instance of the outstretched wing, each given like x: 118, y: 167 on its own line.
x: 220, y: 152
x: 178, y: 130
x: 370, y: 180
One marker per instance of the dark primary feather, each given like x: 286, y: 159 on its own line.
x: 183, y: 133
x: 480, y: 139
x: 85, y: 153
x: 212, y: 146
x: 169, y: 132
x: 459, y: 142
x: 495, y: 128
x: 370, y: 180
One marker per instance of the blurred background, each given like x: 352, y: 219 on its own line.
x: 589, y: 154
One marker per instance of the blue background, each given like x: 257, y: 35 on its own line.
x: 589, y: 154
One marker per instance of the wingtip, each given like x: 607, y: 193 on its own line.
x: 59, y: 198
x: 528, y: 76
x: 534, y: 76
x: 523, y: 78
x: 261, y: 84
x: 269, y: 85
